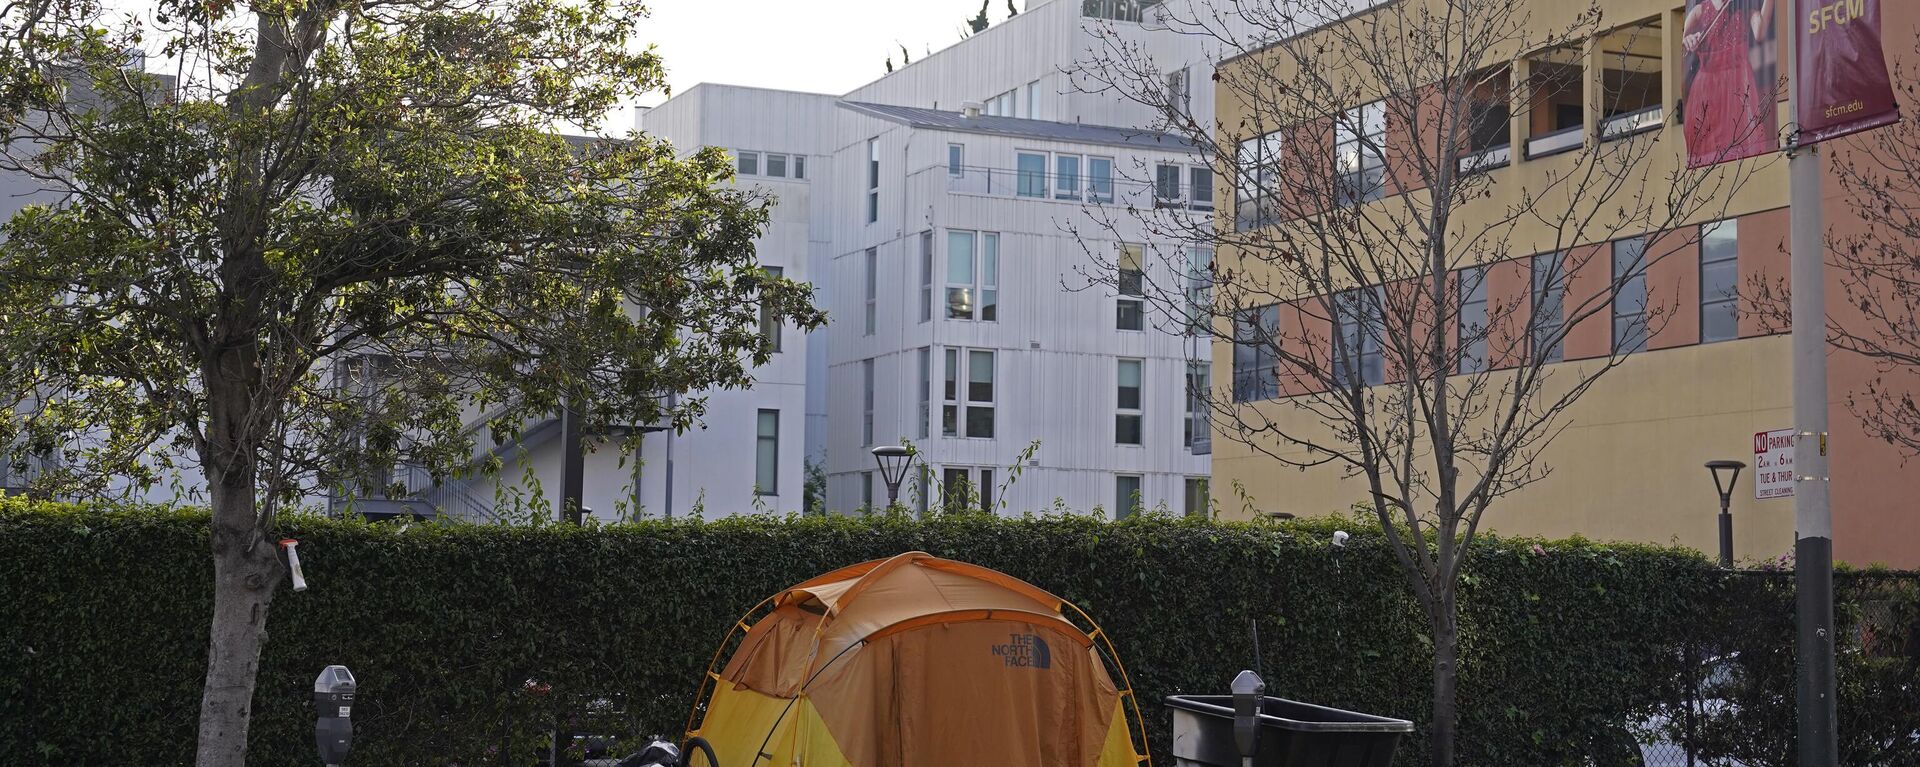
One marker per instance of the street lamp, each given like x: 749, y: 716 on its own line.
x: 894, y: 461
x: 1730, y: 470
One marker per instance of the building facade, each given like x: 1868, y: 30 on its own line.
x: 933, y: 211
x: 983, y: 317
x: 1716, y: 371
x: 984, y: 287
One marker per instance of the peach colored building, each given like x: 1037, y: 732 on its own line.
x: 1629, y: 465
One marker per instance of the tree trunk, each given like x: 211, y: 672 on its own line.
x: 1446, y: 668
x: 246, y: 568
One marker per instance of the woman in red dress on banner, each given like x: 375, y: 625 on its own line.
x: 1728, y: 116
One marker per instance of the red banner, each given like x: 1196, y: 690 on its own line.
x: 1730, y: 93
x: 1843, y: 84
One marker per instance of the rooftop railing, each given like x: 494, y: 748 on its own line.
x: 1081, y: 188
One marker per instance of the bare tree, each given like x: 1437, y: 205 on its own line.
x: 1879, y: 269
x: 1398, y: 305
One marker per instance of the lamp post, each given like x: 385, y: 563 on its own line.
x: 894, y: 461
x: 1731, y: 471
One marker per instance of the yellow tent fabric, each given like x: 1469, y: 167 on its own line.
x: 921, y: 661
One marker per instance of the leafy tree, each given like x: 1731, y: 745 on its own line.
x: 344, y: 230
x: 979, y: 22
x: 1359, y: 157
x: 813, y: 488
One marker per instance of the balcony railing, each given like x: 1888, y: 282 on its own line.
x: 1629, y: 123
x: 1074, y: 188
x: 1486, y: 159
x: 1553, y: 143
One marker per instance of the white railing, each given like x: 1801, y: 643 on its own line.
x: 1632, y: 122
x: 1486, y: 159
x: 1071, y: 188
x: 1557, y: 141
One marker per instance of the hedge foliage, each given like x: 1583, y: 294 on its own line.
x: 103, y: 610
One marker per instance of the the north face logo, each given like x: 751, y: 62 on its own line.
x: 1025, y: 651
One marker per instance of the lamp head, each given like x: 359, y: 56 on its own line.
x: 893, y: 461
x: 1724, y: 475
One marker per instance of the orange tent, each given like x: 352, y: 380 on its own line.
x: 917, y: 661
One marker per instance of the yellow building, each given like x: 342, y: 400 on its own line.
x: 1574, y: 151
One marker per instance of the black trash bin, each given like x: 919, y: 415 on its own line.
x: 1292, y: 734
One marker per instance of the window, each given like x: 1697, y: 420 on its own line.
x: 766, y: 454
x: 1199, y: 504
x: 1719, y: 281
x: 800, y: 166
x: 747, y: 163
x: 1489, y: 122
x: 1199, y: 289
x: 1126, y: 496
x: 950, y: 395
x: 873, y: 180
x: 1030, y: 174
x: 925, y: 395
x: 979, y: 417
x: 1033, y: 100
x: 1630, y: 79
x: 1197, y: 425
x: 1166, y: 183
x: 1179, y: 91
x: 1472, y: 284
x: 1066, y: 176
x: 956, y: 487
x: 962, y: 487
x: 975, y: 411
x: 973, y: 275
x: 1099, y: 179
x: 866, y: 402
x: 1117, y: 10
x: 1003, y: 105
x: 1556, y: 101
x: 1358, y: 138
x: 1359, y: 329
x: 1629, y: 295
x: 770, y: 324
x: 873, y: 288
x: 1131, y: 311
x: 956, y: 160
x: 1255, y: 174
x: 866, y: 490
x: 1126, y: 423
x: 776, y: 165
x: 926, y: 275
x: 1200, y: 188
x: 1549, y: 297
x: 1256, y: 358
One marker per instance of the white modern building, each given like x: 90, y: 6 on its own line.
x: 747, y: 454
x: 976, y: 307
x: 945, y: 216
x: 974, y: 321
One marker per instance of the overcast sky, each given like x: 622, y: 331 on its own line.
x: 829, y: 46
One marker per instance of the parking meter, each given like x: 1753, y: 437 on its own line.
x: 333, y: 705
x: 1247, y: 691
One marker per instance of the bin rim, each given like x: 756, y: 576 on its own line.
x: 1370, y: 723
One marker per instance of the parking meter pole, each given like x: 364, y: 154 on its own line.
x: 333, y: 708
x: 1247, y: 691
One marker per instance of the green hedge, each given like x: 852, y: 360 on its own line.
x: 102, y: 615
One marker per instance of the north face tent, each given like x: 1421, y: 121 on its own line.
x: 917, y: 661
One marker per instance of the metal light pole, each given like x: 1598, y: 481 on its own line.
x: 894, y: 461
x: 1731, y: 470
x: 1812, y: 517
